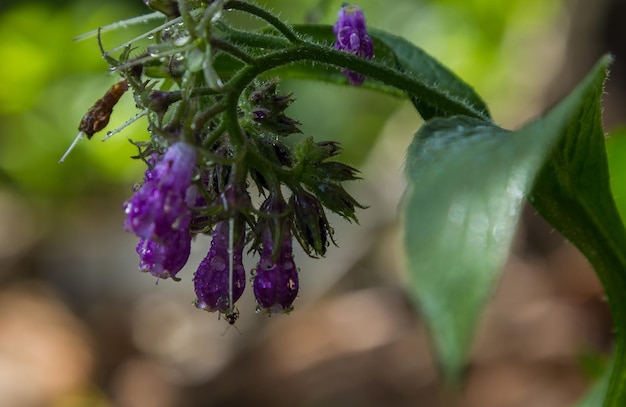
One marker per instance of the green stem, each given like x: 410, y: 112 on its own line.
x: 582, y: 226
x: 203, y: 117
x: 185, y: 14
x: 609, y: 262
x: 176, y: 95
x: 225, y: 46
x: 214, y: 136
x: 323, y: 54
x: 284, y: 28
x: 252, y: 39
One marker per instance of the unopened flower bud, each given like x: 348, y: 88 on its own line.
x: 276, y: 282
x: 275, y: 276
x: 351, y: 33
x: 310, y: 223
x: 158, y: 208
x: 164, y: 260
x: 159, y: 101
x: 268, y: 110
x: 211, y: 280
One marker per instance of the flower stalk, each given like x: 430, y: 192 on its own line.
x: 213, y: 130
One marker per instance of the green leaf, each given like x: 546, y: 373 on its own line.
x: 573, y: 193
x: 616, y: 151
x: 467, y: 181
x: 415, y: 61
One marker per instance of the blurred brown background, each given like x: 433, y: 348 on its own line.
x: 80, y: 326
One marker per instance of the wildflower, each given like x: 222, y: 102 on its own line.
x: 351, y: 33
x: 158, y: 210
x: 276, y: 281
x: 211, y: 280
x: 276, y: 275
x: 164, y: 260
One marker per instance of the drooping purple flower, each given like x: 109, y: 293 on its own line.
x: 164, y: 260
x: 211, y: 280
x: 158, y: 209
x: 351, y: 34
x: 276, y: 282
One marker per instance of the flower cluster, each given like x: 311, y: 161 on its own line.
x: 217, y: 134
x: 276, y: 276
x: 351, y: 33
x: 167, y: 207
x: 158, y: 213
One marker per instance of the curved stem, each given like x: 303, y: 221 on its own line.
x: 370, y: 68
x: 323, y: 54
x: 226, y: 46
x: 214, y: 136
x: 252, y: 39
x: 284, y: 28
x: 201, y: 119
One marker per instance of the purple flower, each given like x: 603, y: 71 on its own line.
x: 351, y: 33
x: 164, y: 260
x: 212, y: 277
x: 276, y: 282
x: 158, y: 210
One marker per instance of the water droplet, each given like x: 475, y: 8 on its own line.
x: 182, y: 41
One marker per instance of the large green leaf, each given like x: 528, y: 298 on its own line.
x: 467, y: 181
x: 416, y: 62
x: 573, y: 194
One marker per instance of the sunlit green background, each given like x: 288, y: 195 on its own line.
x: 510, y: 51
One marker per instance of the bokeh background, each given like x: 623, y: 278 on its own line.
x: 80, y: 326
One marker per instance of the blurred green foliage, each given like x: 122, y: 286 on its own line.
x: 616, y: 151
x: 48, y: 81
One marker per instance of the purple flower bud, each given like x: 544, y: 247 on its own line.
x: 212, y: 277
x: 164, y: 260
x: 269, y: 110
x: 311, y: 226
x: 159, y: 101
x: 351, y: 33
x: 276, y: 282
x: 158, y: 209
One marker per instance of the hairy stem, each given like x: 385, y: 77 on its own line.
x: 285, y: 29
